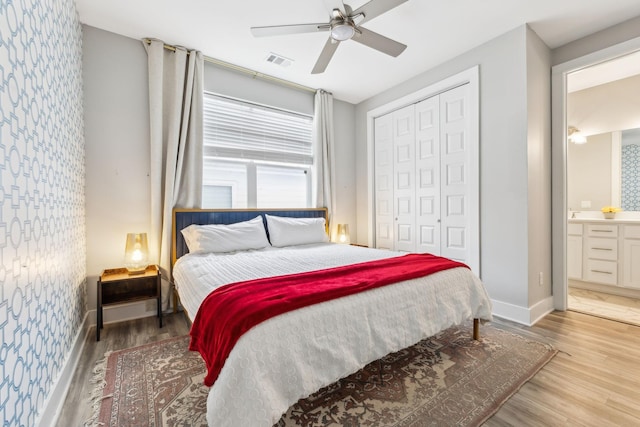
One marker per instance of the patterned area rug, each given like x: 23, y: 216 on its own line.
x: 448, y: 379
x: 158, y: 384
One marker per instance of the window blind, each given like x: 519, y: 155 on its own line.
x: 241, y: 130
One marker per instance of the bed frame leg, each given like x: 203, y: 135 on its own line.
x: 476, y: 329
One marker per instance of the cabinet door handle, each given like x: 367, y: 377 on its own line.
x: 603, y: 231
x: 602, y: 249
x: 600, y: 271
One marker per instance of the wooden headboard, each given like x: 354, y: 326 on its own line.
x: 184, y: 217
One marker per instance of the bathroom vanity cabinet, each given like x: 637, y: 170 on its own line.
x: 606, y: 252
x: 574, y: 251
x: 631, y: 256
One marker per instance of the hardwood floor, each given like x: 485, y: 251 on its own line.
x: 113, y: 337
x: 593, y: 381
x: 605, y: 305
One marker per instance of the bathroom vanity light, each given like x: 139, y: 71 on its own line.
x: 575, y: 136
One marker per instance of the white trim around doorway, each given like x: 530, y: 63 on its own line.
x: 559, y: 212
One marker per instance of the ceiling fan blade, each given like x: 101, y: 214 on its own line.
x: 376, y: 8
x: 325, y: 56
x: 331, y: 5
x: 278, y: 30
x: 378, y: 42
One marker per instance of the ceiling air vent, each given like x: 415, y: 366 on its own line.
x: 278, y: 60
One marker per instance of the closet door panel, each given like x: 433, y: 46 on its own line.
x: 404, y: 168
x: 427, y: 140
x: 383, y: 190
x: 426, y: 177
x: 455, y: 158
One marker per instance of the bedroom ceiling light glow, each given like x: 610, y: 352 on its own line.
x: 342, y: 30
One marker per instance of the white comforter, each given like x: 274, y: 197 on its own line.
x: 293, y: 355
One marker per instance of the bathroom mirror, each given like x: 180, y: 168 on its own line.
x: 602, y: 105
x: 604, y: 171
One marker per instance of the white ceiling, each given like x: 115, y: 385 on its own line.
x: 605, y: 72
x: 435, y: 31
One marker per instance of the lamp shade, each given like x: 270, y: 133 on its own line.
x: 343, y: 234
x: 136, y: 253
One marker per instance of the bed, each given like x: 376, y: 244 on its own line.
x: 289, y: 356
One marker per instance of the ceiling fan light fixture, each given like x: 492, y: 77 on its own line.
x: 342, y: 30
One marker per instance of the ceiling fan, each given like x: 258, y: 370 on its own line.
x: 344, y: 24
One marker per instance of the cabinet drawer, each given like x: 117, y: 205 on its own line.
x: 599, y: 271
x: 574, y: 229
x: 632, y: 231
x: 601, y: 248
x: 602, y: 230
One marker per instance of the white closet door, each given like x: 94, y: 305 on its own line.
x: 404, y: 169
x: 427, y: 116
x: 455, y: 174
x: 383, y: 159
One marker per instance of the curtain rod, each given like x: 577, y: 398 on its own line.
x: 244, y: 70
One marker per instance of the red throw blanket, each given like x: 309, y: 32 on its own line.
x: 231, y: 310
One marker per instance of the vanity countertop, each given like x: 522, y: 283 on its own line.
x: 608, y: 221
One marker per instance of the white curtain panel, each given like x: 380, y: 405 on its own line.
x: 324, y: 162
x: 175, y: 110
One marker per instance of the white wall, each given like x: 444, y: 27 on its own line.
x: 605, y: 108
x: 505, y: 217
x: 224, y: 81
x: 117, y: 138
x: 606, y: 38
x: 344, y: 124
x: 116, y: 105
x: 589, y: 173
x: 539, y: 170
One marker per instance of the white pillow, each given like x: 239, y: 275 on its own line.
x: 296, y: 231
x: 240, y: 236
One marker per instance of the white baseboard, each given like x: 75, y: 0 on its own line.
x: 524, y: 315
x: 58, y: 393
x: 541, y: 309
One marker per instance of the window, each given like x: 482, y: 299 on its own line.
x: 255, y: 156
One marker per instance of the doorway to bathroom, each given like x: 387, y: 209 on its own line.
x: 602, y: 198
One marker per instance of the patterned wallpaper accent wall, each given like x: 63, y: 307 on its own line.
x: 630, y: 178
x: 42, y: 214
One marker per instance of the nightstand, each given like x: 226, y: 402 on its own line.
x: 117, y: 286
